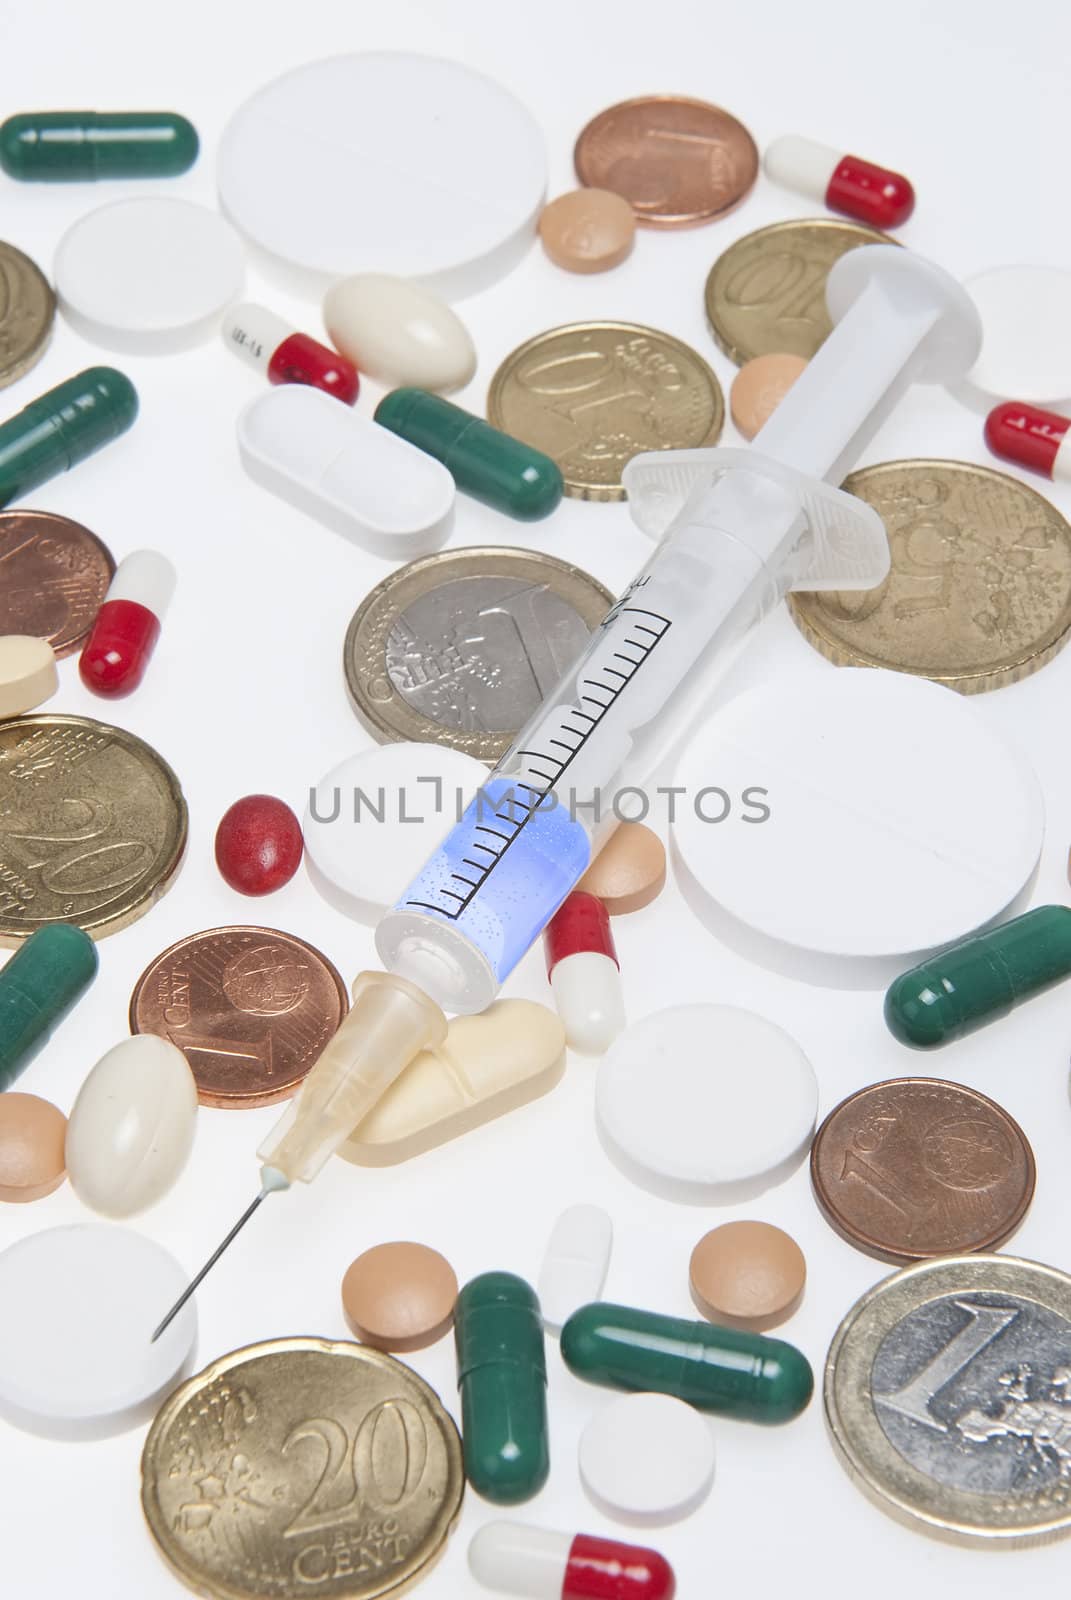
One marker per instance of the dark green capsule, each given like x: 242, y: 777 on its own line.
x: 70, y: 422
x: 491, y: 466
x: 980, y: 979
x: 738, y: 1374
x: 38, y: 986
x: 502, y: 1376
x: 80, y: 146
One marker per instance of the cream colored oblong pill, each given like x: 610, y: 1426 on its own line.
x: 399, y: 333
x: 576, y: 1263
x: 28, y: 673
x: 131, y: 1130
x: 489, y: 1064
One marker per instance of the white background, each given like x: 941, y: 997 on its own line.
x: 246, y: 693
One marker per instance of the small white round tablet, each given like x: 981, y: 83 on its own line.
x: 706, y: 1103
x: 899, y: 818
x: 647, y: 1458
x: 1026, y: 333
x: 80, y: 1306
x: 148, y: 276
x: 373, y: 821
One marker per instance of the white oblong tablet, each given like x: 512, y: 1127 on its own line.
x: 899, y: 819
x: 1026, y: 333
x: 344, y: 469
x: 576, y: 1262
x: 28, y: 674
x: 647, y: 1458
x: 708, y: 1103
x: 80, y: 1306
x: 148, y: 276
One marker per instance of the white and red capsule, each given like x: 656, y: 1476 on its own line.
x: 267, y: 343
x: 583, y: 970
x: 127, y: 626
x: 1031, y: 438
x: 857, y: 188
x: 541, y: 1564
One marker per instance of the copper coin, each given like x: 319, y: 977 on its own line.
x: 250, y: 1008
x: 54, y: 575
x: 678, y: 162
x: 916, y: 1167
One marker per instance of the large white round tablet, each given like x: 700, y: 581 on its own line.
x: 79, y: 1308
x: 385, y: 162
x: 706, y: 1103
x: 1026, y: 333
x: 899, y: 819
x: 647, y: 1458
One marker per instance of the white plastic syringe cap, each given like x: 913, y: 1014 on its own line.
x: 952, y: 345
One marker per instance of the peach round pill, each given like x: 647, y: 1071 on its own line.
x: 747, y: 1275
x: 32, y: 1137
x: 399, y: 1296
x: 588, y: 230
x: 630, y: 870
x: 758, y: 389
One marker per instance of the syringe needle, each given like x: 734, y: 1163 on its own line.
x: 209, y: 1264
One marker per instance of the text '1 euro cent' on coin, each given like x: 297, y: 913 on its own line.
x: 766, y: 294
x: 27, y: 311
x: 948, y: 1398
x: 92, y: 826
x: 250, y: 1008
x: 678, y: 162
x: 592, y: 395
x: 461, y: 648
x: 979, y: 588
x: 54, y: 575
x: 916, y: 1167
x: 302, y: 1467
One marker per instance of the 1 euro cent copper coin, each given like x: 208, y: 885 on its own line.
x: 54, y: 575
x: 250, y: 1008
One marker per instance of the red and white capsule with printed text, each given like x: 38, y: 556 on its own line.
x: 268, y: 344
x: 857, y: 188
x: 1031, y: 438
x: 583, y: 970
x: 541, y: 1564
x: 127, y: 626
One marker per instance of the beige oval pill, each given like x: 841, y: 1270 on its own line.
x: 588, y: 230
x: 399, y: 1296
x: 748, y: 1275
x: 629, y: 871
x: 28, y: 673
x: 758, y: 389
x: 32, y: 1137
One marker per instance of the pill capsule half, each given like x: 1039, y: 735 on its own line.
x: 52, y: 434
x: 266, y: 342
x: 583, y: 970
x: 127, y: 626
x: 857, y: 188
x: 980, y: 979
x: 502, y: 1377
x: 80, y: 146
x: 543, y: 1564
x: 38, y: 986
x: 1031, y: 438
x: 738, y: 1374
x: 485, y: 463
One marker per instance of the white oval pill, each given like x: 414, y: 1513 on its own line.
x: 132, y: 1126
x: 576, y: 1263
x: 28, y: 673
x: 399, y: 333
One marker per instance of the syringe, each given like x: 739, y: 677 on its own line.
x: 743, y: 527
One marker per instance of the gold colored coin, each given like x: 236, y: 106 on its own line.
x: 594, y: 394
x: 979, y: 592
x: 766, y: 295
x: 302, y: 1467
x: 27, y: 311
x: 92, y: 826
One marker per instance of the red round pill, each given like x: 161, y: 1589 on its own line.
x: 258, y: 844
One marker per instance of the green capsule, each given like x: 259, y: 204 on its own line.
x: 70, y: 422
x: 502, y: 1376
x: 738, y: 1374
x: 80, y: 146
x: 38, y: 986
x: 980, y: 979
x: 489, y: 465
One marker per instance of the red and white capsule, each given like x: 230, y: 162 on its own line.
x: 1031, y: 438
x: 583, y: 970
x: 857, y: 188
x: 265, y: 341
x: 127, y: 626
x: 541, y: 1564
